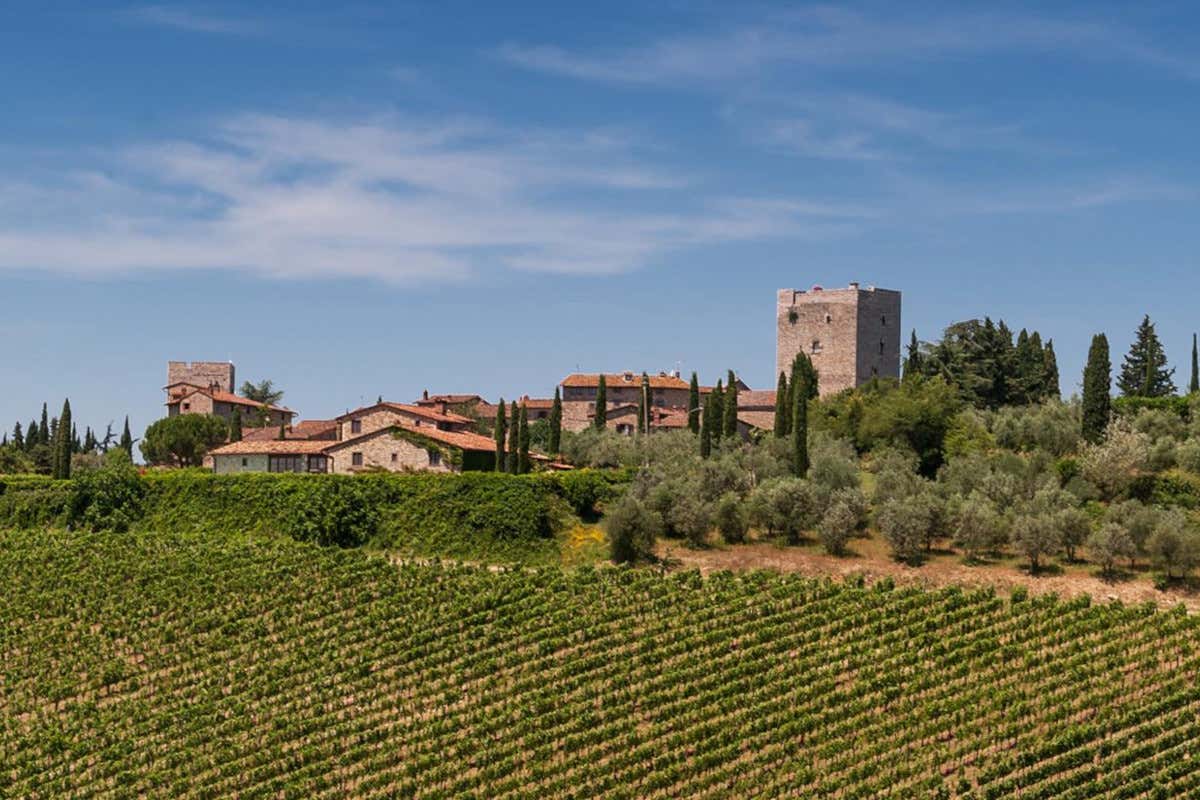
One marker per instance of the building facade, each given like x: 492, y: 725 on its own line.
x: 852, y: 335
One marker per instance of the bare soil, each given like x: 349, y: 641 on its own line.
x: 868, y: 557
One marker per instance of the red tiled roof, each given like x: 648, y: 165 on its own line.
x: 762, y: 399
x: 273, y: 447
x: 589, y: 380
x: 309, y: 428
x: 225, y: 397
x: 451, y: 399
x: 417, y: 411
x: 763, y: 420
x: 537, y: 402
x: 463, y: 440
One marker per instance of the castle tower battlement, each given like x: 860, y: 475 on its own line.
x: 852, y: 335
x: 205, y: 374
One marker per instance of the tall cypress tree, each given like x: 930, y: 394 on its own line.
x: 18, y: 438
x: 556, y: 423
x: 89, y: 440
x: 76, y: 444
x: 1194, y: 383
x: 783, y: 410
x: 500, y: 432
x: 32, y: 436
x: 800, y: 392
x: 729, y: 421
x: 126, y: 442
x: 913, y: 362
x: 803, y: 368
x: 601, y: 418
x: 1097, y: 388
x: 693, y: 405
x: 643, y: 404
x: 1144, y: 371
x: 62, y: 445
x: 1050, y: 369
x: 235, y: 426
x: 514, y: 438
x: 523, y: 462
x: 44, y: 428
x: 707, y: 425
x: 718, y: 398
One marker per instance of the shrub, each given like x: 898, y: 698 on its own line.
x: 1112, y: 465
x: 784, y: 506
x: 1174, y: 547
x: 108, y: 498
x: 834, y: 463
x: 978, y: 527
x: 1188, y: 455
x: 691, y: 518
x: 731, y: 518
x: 632, y: 529
x: 1109, y: 543
x: 1053, y: 427
x: 837, y: 527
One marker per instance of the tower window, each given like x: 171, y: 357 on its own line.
x: 881, y: 347
x: 883, y: 320
x: 816, y: 345
x: 828, y: 318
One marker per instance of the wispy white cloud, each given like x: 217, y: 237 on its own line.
x: 838, y: 38
x: 187, y: 19
x: 389, y: 198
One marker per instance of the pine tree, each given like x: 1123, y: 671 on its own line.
x: 693, y: 405
x: 782, y: 409
x: 1144, y: 371
x: 556, y: 423
x: 913, y: 363
x: 235, y: 426
x: 1194, y: 383
x: 18, y: 438
x: 62, y: 444
x: 1050, y: 371
x: 44, y: 428
x: 707, y: 425
x: 514, y: 439
x: 601, y: 418
x: 718, y: 398
x: 1097, y: 388
x: 500, y: 433
x: 800, y: 392
x: 643, y: 404
x: 126, y: 442
x: 729, y: 421
x: 523, y: 462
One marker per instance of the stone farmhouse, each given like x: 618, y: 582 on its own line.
x: 206, y: 387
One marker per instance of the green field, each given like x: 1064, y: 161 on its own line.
x: 180, y: 665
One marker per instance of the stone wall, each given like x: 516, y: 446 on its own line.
x: 196, y: 403
x: 202, y: 373
x: 383, y: 451
x: 879, y: 334
x: 233, y: 464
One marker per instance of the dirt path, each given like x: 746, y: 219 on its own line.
x: 935, y: 573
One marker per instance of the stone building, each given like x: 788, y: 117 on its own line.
x: 215, y: 375
x: 852, y: 335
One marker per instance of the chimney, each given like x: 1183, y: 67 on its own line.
x: 853, y: 284
x: 442, y: 406
x: 425, y: 395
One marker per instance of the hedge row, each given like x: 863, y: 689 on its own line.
x: 457, y: 515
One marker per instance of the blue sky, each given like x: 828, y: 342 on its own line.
x: 361, y: 199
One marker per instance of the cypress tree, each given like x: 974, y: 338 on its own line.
x: 556, y: 423
x: 601, y: 419
x: 913, y: 363
x: 800, y: 392
x: 1144, y: 371
x: 718, y: 398
x: 514, y: 438
x: 782, y: 409
x: 44, y: 428
x: 803, y: 368
x: 523, y: 463
x: 89, y: 441
x: 693, y: 405
x: 1194, y: 383
x: 32, y: 436
x: 500, y: 432
x: 729, y: 426
x: 126, y: 442
x: 1097, y: 388
x: 62, y: 445
x: 235, y: 427
x: 643, y: 403
x: 707, y: 425
x: 1050, y: 369
x: 18, y: 438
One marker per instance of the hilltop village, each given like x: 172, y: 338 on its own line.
x: 851, y: 335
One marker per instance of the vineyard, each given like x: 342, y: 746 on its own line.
x: 186, y: 665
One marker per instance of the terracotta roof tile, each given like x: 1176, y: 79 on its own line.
x: 273, y: 447
x: 225, y: 397
x: 761, y: 399
x: 464, y: 440
x: 416, y: 411
x: 590, y: 380
x: 763, y: 420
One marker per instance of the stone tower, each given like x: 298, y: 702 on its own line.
x: 851, y: 334
x: 205, y: 374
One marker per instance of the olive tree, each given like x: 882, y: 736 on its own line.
x: 1109, y: 543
